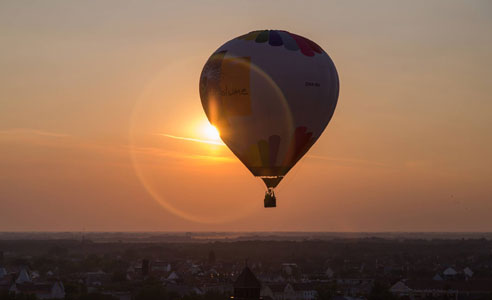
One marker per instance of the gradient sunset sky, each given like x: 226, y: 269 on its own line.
x: 101, y: 124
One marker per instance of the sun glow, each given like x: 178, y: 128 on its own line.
x: 210, y: 132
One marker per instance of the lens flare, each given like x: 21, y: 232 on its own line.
x: 173, y: 172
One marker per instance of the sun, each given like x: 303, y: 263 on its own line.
x: 210, y: 132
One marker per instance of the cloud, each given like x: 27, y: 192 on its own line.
x: 29, y: 131
x: 348, y: 160
x: 220, y: 143
x: 320, y: 157
x: 155, y: 151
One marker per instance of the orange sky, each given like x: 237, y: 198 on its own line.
x: 89, y: 91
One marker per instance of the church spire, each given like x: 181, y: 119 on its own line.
x: 247, y: 286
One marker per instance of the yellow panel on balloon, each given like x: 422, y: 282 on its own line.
x: 235, y: 88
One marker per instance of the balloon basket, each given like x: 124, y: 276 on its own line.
x: 270, y: 199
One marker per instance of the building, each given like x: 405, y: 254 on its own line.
x: 468, y: 273
x: 247, y: 286
x: 42, y: 290
x: 160, y: 267
x: 424, y: 289
x: 289, y: 291
x: 450, y: 273
x: 354, y: 286
x: 23, y: 277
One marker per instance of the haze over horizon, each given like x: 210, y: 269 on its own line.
x: 102, y: 129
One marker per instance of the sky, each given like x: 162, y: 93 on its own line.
x: 102, y: 129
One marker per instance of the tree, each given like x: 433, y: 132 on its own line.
x: 211, y: 257
x: 96, y: 296
x: 6, y: 295
x: 380, y: 291
x: 326, y: 291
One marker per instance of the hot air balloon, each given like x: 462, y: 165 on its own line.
x: 271, y: 93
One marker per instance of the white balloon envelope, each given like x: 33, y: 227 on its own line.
x: 271, y: 94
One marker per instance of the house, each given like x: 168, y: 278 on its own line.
x: 184, y: 290
x: 6, y: 282
x: 23, y: 276
x: 119, y: 295
x: 219, y: 288
x: 173, y: 276
x: 289, y: 291
x: 329, y: 273
x: 437, y: 277
x: 290, y: 270
x: 195, y: 269
x: 42, y: 290
x: 401, y: 289
x: 34, y: 275
x: 160, y: 266
x: 212, y: 273
x: 455, y: 289
x: 272, y: 291
x: 354, y: 286
x: 449, y: 273
x: 97, y: 278
x: 305, y: 291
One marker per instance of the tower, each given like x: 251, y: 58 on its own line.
x: 247, y: 286
x: 145, y: 267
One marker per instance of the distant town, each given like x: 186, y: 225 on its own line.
x: 276, y: 266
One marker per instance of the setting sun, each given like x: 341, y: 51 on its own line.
x: 210, y: 132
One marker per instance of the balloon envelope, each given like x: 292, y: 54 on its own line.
x: 271, y: 94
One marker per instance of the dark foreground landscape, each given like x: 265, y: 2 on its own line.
x: 278, y: 266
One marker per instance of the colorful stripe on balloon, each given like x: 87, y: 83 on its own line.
x: 289, y: 40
